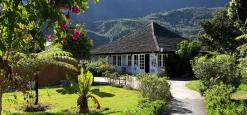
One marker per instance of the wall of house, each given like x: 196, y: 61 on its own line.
x: 156, y: 63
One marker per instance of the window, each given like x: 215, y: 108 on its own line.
x: 142, y: 64
x: 129, y: 60
x: 161, y: 60
x: 119, y: 62
x: 114, y: 60
x: 135, y: 60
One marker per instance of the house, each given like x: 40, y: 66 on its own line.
x: 143, y: 50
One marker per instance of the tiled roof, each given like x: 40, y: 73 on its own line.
x: 150, y: 38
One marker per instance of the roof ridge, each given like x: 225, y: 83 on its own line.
x: 154, y: 36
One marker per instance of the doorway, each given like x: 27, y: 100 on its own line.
x: 147, y: 63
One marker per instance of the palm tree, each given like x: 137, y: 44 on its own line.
x: 33, y: 63
x: 85, y: 80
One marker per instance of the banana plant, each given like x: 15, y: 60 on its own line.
x: 85, y: 80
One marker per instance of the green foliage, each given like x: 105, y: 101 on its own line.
x: 99, y: 67
x: 85, y: 80
x: 79, y: 48
x: 243, y: 47
x: 188, y: 49
x: 243, y: 69
x: 216, y: 69
x: 217, y: 100
x: 154, y: 88
x: 179, y: 64
x: 146, y: 107
x: 238, y: 12
x: 219, y: 33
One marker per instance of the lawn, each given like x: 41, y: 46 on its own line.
x: 113, y: 101
x: 194, y: 85
x: 240, y: 94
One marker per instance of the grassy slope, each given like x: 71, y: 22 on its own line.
x: 113, y: 100
x: 194, y: 85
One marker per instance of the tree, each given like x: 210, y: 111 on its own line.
x: 238, y: 12
x: 20, y: 29
x: 219, y: 33
x: 85, y: 81
x: 79, y: 48
x: 179, y: 64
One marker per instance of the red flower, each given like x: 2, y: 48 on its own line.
x: 50, y: 38
x: 66, y: 7
x: 75, y: 34
x: 75, y: 10
x: 64, y: 26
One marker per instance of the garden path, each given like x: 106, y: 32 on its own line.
x: 185, y: 101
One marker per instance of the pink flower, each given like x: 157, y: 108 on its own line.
x: 64, y: 26
x: 66, y: 7
x: 75, y: 34
x: 50, y: 38
x: 75, y: 10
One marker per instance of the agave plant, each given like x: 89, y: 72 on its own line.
x: 85, y: 80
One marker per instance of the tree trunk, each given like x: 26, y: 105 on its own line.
x: 1, y: 95
x: 36, y: 90
x: 83, y: 105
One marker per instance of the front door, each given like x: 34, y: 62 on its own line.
x: 147, y: 64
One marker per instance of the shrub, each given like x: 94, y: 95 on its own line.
x: 217, y: 100
x: 216, y: 69
x: 147, y: 107
x: 243, y: 69
x: 154, y: 88
x: 99, y: 67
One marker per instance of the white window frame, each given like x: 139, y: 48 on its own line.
x: 161, y: 60
x: 142, y: 61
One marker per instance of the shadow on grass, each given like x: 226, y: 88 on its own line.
x: 66, y: 112
x: 101, y: 94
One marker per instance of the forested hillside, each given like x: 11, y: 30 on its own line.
x: 183, y: 21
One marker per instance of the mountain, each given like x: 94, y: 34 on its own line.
x: 183, y: 21
x: 113, y: 9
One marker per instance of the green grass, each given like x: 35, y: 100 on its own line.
x: 113, y: 101
x: 241, y: 93
x: 194, y: 85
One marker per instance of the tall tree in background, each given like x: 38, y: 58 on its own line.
x: 238, y: 12
x: 219, y: 33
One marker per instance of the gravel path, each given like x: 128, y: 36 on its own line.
x: 185, y: 101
